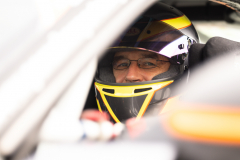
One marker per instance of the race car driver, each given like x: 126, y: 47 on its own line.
x: 152, y: 53
x: 135, y: 67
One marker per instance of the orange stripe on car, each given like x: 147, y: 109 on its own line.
x: 201, y: 122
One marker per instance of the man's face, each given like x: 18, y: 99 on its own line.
x: 135, y: 74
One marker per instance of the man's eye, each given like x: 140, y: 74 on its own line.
x: 122, y: 64
x: 149, y: 64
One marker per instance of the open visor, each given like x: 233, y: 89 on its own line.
x: 155, y: 36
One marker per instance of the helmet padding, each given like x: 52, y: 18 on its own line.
x: 172, y: 72
x: 106, y: 74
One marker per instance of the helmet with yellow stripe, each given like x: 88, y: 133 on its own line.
x: 163, y: 31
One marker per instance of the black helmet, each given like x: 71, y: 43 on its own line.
x: 162, y: 30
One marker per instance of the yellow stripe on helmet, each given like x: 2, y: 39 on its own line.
x: 99, y: 107
x: 179, y: 22
x: 147, y: 101
x: 106, y: 104
x: 145, y: 105
x: 158, y: 27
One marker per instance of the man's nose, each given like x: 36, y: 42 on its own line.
x: 134, y: 73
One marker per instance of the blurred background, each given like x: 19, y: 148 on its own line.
x: 46, y: 51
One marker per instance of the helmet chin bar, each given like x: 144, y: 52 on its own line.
x: 125, y: 101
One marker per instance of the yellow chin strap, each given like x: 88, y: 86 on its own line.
x: 128, y: 91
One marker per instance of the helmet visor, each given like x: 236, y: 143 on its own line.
x: 155, y: 36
